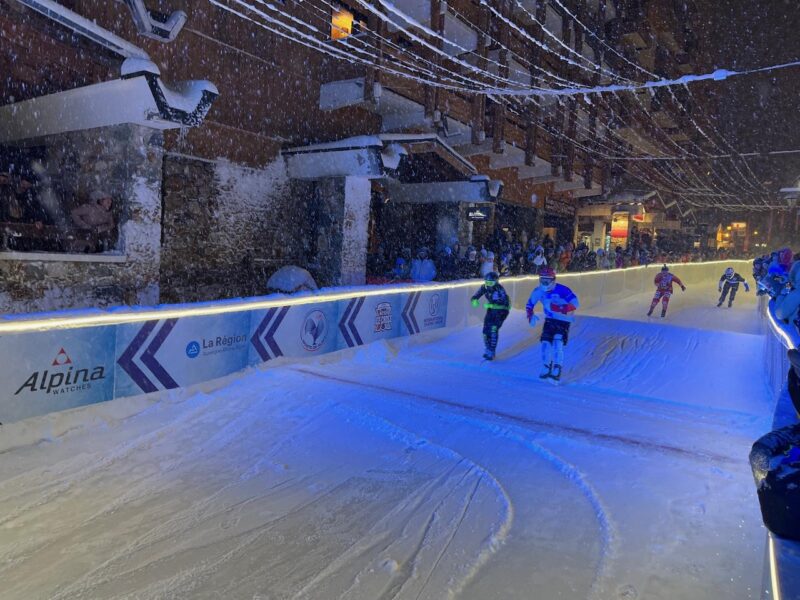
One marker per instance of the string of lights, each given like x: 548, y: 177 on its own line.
x: 453, y: 73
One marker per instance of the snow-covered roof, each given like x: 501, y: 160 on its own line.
x: 140, y: 99
x: 361, y: 155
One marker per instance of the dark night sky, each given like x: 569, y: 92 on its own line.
x: 756, y: 112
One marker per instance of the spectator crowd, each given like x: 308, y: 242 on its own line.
x: 777, y: 275
x: 509, y: 258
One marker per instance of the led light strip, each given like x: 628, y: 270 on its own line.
x: 782, y: 333
x: 773, y: 569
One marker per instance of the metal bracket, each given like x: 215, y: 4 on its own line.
x: 155, y: 25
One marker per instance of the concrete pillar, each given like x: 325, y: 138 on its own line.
x: 342, y: 230
x: 140, y: 234
x: 355, y: 234
x: 599, y: 235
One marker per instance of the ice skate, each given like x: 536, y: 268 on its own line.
x: 547, y: 371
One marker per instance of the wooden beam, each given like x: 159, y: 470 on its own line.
x: 479, y: 100
x: 499, y: 109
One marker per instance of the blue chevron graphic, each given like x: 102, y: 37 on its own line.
x: 265, y: 344
x: 408, y: 313
x: 148, y: 358
x: 347, y: 323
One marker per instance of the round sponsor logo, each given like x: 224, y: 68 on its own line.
x: 193, y: 349
x: 433, y: 304
x: 315, y: 329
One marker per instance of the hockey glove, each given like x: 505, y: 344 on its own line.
x: 746, y: 287
x: 475, y: 303
x: 719, y: 287
x: 683, y: 288
x: 529, y: 312
x: 533, y: 320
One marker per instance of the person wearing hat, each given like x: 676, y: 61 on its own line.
x: 496, y: 311
x: 422, y: 267
x: 469, y: 266
x: 448, y: 265
x: 95, y: 216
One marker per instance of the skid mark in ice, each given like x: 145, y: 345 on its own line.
x: 444, y: 522
x: 570, y: 471
x: 561, y: 429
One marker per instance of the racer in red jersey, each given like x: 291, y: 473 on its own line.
x: 664, y: 281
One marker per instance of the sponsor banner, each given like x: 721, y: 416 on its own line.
x: 366, y: 319
x: 55, y: 370
x: 172, y: 353
x: 479, y: 212
x: 423, y: 311
x: 293, y: 331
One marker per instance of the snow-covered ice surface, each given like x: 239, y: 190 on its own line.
x: 412, y: 470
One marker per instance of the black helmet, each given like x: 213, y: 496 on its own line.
x: 665, y: 268
x: 492, y: 276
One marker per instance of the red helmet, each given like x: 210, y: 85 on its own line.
x: 547, y: 273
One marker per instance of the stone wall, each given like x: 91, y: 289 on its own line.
x: 126, y: 161
x: 226, y: 228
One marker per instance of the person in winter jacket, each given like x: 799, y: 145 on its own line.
x: 469, y: 266
x: 448, y: 265
x: 422, y: 267
x: 774, y: 282
x: 497, y: 309
x: 729, y: 282
x: 536, y: 261
x: 603, y: 261
x: 663, y: 282
x: 787, y: 303
x: 487, y: 265
x: 401, y: 269
x: 558, y: 304
x: 96, y: 215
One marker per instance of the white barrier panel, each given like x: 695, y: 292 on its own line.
x: 172, y: 353
x: 55, y: 370
x: 54, y: 362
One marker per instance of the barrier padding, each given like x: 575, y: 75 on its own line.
x: 59, y: 361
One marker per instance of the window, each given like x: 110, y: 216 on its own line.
x: 341, y: 24
x: 346, y: 22
x: 50, y: 203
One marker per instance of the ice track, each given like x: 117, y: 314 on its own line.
x: 411, y: 470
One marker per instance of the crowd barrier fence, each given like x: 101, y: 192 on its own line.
x: 782, y: 561
x: 58, y: 361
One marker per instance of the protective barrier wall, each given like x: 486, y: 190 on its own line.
x: 782, y: 564
x: 779, y: 337
x: 54, y: 362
